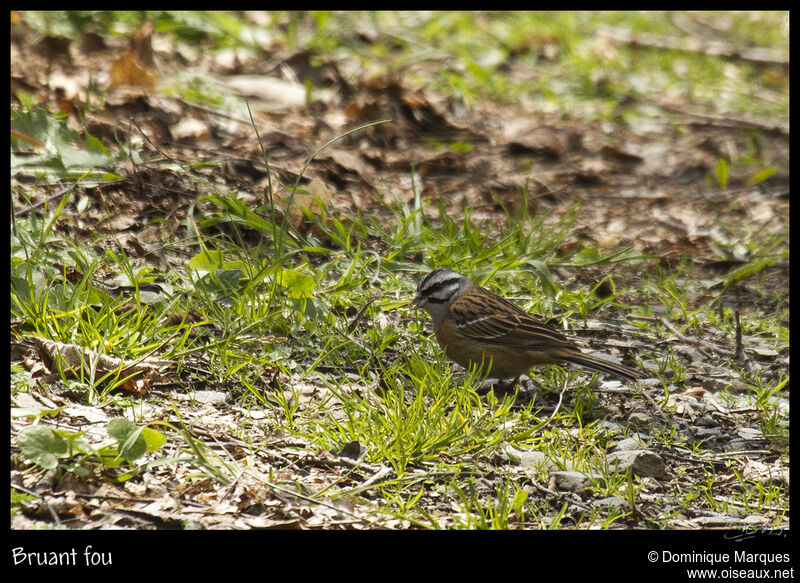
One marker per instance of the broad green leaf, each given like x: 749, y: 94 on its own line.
x: 761, y: 176
x: 721, y: 170
x: 155, y: 439
x: 119, y: 428
x: 42, y: 445
x: 134, y: 446
x: 206, y: 261
x: 298, y: 285
x: 134, y: 441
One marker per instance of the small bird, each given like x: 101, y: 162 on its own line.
x: 476, y: 326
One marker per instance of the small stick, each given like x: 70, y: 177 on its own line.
x: 740, y: 355
x: 697, y: 341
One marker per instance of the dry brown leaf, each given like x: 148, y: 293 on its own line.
x: 620, y: 155
x: 190, y: 127
x: 72, y: 359
x: 413, y: 112
x: 764, y: 473
x: 142, y: 45
x: 526, y: 136
x: 315, y: 198
x: 127, y: 71
x: 697, y: 393
x: 123, y: 222
x: 269, y: 93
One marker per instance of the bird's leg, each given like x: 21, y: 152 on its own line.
x: 512, y: 384
x: 527, y: 385
x: 500, y: 386
x: 488, y: 385
x: 522, y: 383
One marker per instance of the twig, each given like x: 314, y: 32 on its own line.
x: 215, y: 112
x: 726, y: 121
x: 692, y: 45
x: 352, y: 324
x: 309, y: 499
x: 652, y: 402
x: 696, y: 341
x: 47, y: 199
x: 379, y: 475
x: 740, y: 355
x: 715, y: 457
x: 558, y: 405
x: 42, y: 499
x: 734, y: 502
x: 155, y: 146
x: 574, y: 498
x: 759, y: 452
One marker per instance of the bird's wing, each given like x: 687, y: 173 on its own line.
x: 488, y: 317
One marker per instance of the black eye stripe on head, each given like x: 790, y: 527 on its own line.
x: 435, y: 300
x: 438, y: 286
x: 432, y: 275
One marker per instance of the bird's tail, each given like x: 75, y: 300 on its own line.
x: 602, y: 365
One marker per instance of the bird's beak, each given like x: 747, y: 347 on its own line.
x: 417, y: 302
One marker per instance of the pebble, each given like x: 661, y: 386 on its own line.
x: 612, y: 503
x: 628, y: 444
x: 642, y: 462
x: 750, y: 433
x: 639, y: 419
x: 708, y: 433
x: 570, y: 480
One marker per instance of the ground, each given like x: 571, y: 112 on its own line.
x: 213, y: 252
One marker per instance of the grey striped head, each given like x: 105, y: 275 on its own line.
x: 438, y: 289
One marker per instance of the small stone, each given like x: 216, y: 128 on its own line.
x: 750, y: 433
x: 707, y: 421
x: 638, y: 419
x: 213, y: 397
x: 611, y: 427
x: 570, y: 480
x: 737, y: 444
x: 353, y: 450
x: 614, y: 503
x: 527, y: 458
x: 627, y: 444
x: 642, y: 462
x: 708, y: 433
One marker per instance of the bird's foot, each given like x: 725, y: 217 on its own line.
x: 498, y: 385
x: 523, y: 386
